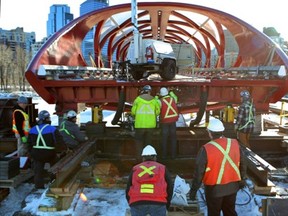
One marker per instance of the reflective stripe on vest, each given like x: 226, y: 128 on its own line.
x: 145, y: 109
x: 250, y: 118
x: 25, y: 126
x: 147, y: 188
x: 169, y: 108
x: 148, y: 183
x: 40, y: 137
x: 147, y: 170
x: 226, y: 159
x: 63, y: 128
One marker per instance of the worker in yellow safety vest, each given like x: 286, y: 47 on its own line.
x: 21, y: 126
x: 221, y: 167
x: 145, y: 110
x: 149, y: 187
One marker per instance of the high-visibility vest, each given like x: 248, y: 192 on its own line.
x: 148, y: 183
x: 145, y: 112
x: 26, y: 124
x: 169, y: 110
x: 63, y: 128
x: 42, y: 144
x: 223, y: 161
x: 250, y: 117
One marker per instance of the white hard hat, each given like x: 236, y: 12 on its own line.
x: 71, y: 114
x: 163, y: 91
x: 148, y: 150
x: 215, y: 125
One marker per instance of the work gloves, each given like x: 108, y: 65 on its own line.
x: 24, y: 139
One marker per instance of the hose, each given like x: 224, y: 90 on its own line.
x: 249, y: 199
x: 239, y: 204
x: 120, y: 107
x: 202, y: 108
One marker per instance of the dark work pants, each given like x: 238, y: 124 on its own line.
x: 168, y: 132
x: 40, y: 157
x: 226, y: 204
x: 143, y: 137
x: 244, y: 138
x: 38, y: 174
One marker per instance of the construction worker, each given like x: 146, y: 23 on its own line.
x: 220, y: 166
x: 168, y: 118
x: 145, y: 110
x: 70, y: 131
x: 149, y: 187
x: 21, y: 126
x: 245, y: 119
x: 44, y: 140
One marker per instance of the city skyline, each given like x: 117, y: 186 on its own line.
x: 257, y: 13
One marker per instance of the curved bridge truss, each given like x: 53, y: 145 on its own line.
x: 255, y: 66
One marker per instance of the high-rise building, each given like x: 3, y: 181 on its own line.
x: 58, y: 17
x: 17, y: 38
x: 87, y: 44
x: 37, y: 45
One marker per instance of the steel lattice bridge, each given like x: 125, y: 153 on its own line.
x: 60, y: 74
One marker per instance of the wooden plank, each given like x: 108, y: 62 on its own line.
x: 192, y: 208
x: 70, y: 163
x: 269, y: 190
x: 63, y: 192
x: 15, y: 181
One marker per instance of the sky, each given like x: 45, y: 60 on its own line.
x: 32, y: 15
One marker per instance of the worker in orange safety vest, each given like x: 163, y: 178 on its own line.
x: 220, y: 166
x: 149, y: 187
x: 168, y: 117
x: 21, y: 126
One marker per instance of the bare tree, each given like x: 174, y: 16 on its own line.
x: 6, y: 61
x: 21, y: 62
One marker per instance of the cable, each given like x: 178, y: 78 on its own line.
x: 249, y: 200
x: 240, y: 204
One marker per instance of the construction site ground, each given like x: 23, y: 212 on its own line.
x: 92, y: 181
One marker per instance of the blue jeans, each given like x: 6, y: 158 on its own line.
x: 152, y: 210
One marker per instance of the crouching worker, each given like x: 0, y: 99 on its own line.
x: 70, y: 131
x: 149, y: 188
x: 43, y: 139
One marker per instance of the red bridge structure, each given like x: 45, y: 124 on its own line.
x: 61, y: 76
